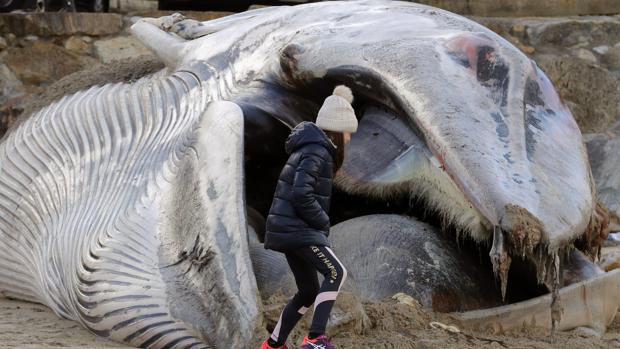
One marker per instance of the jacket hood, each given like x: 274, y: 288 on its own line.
x: 308, y: 133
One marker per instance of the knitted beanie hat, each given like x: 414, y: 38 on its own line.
x: 337, y: 114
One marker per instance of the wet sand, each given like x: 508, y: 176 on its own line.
x: 28, y: 325
x: 389, y: 324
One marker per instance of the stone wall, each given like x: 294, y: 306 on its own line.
x: 511, y: 8
x: 581, y: 55
x: 37, y: 50
x: 521, y: 8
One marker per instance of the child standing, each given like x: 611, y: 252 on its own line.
x: 298, y: 224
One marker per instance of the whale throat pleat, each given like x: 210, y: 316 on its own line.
x: 78, y: 182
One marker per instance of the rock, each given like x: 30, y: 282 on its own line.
x: 77, y: 44
x: 10, y: 85
x: 61, y: 23
x: 3, y: 44
x: 517, y: 8
x: 527, y: 49
x: 520, y: 45
x: 612, y: 57
x: 571, y: 32
x: 119, y: 48
x: 88, y: 61
x: 586, y: 55
x: 502, y: 26
x: 28, y: 40
x: 601, y: 50
x: 136, y: 5
x: 11, y: 98
x: 9, y: 113
x: 10, y: 38
x: 519, y: 29
x: 603, y: 150
x: 591, y: 92
x: 42, y: 62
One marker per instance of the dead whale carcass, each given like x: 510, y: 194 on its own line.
x: 122, y: 207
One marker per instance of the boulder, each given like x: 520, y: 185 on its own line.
x: 516, y: 8
x: 558, y: 33
x: 10, y: 38
x: 591, y: 92
x: 586, y: 55
x: 42, y: 62
x: 604, y: 155
x: 612, y: 57
x: 27, y: 41
x: 118, y: 48
x: 61, y: 23
x: 601, y: 50
x: 134, y: 5
x: 3, y: 44
x: 10, y: 85
x: 571, y: 32
x: 77, y: 44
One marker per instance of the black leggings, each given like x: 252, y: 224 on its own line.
x: 304, y: 263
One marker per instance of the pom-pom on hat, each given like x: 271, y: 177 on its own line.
x: 337, y: 114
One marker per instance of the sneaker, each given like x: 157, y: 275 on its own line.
x: 266, y: 345
x: 320, y: 342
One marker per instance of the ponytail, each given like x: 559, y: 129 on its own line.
x: 338, y: 139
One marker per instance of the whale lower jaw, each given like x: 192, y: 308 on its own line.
x: 204, y: 255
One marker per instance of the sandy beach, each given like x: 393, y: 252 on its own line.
x: 389, y: 324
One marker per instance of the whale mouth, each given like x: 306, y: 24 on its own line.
x: 389, y: 169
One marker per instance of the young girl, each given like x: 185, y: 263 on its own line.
x: 298, y: 224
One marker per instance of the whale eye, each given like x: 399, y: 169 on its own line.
x: 288, y: 58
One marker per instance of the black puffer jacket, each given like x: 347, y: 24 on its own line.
x: 298, y: 215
